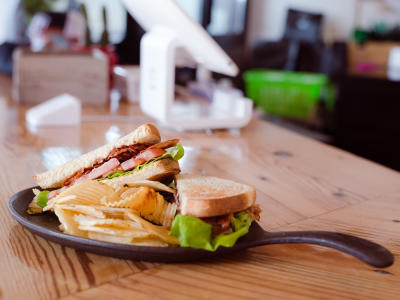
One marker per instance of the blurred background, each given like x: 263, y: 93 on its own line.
x: 326, y: 69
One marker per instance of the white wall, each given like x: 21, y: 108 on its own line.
x: 372, y: 12
x: 268, y: 17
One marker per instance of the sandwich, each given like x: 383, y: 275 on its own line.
x: 212, y: 212
x: 204, y: 212
x: 131, y: 191
x: 137, y: 156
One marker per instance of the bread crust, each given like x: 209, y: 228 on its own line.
x: 203, y: 208
x: 195, y: 203
x: 144, y: 134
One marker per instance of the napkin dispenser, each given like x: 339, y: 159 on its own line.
x: 173, y: 38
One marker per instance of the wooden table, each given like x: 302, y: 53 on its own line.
x: 301, y: 184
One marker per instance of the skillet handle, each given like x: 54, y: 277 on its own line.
x: 369, y: 252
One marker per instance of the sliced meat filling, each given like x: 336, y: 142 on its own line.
x: 122, y: 153
x: 221, y: 224
x: 141, y: 158
x: 76, y: 176
x: 254, y: 211
x: 130, y: 156
x: 54, y: 193
x: 100, y: 171
x: 126, y: 152
x: 103, y: 170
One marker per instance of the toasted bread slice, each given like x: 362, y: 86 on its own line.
x: 205, y: 196
x: 162, y: 170
x: 145, y: 134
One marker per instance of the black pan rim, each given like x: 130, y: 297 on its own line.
x: 146, y: 253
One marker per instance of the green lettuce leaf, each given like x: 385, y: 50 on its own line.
x: 192, y: 232
x: 195, y: 233
x: 42, y: 199
x: 175, y: 153
x: 113, y: 174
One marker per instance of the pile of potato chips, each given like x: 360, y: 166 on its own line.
x: 118, y: 214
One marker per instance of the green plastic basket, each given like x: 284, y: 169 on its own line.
x: 289, y: 94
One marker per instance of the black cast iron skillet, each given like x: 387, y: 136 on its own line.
x: 46, y: 226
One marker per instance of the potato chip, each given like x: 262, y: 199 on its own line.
x: 133, y: 200
x: 66, y: 198
x: 87, y: 193
x: 119, y: 190
x: 67, y: 221
x: 159, y: 231
x: 109, y: 238
x: 83, y: 209
x: 70, y: 199
x: 150, y: 204
x: 113, y: 212
x: 118, y: 223
x: 129, y: 192
x: 168, y: 215
x: 115, y: 231
x: 155, y: 185
x: 131, y: 182
x: 116, y: 213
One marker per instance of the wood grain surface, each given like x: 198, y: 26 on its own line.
x: 301, y: 185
